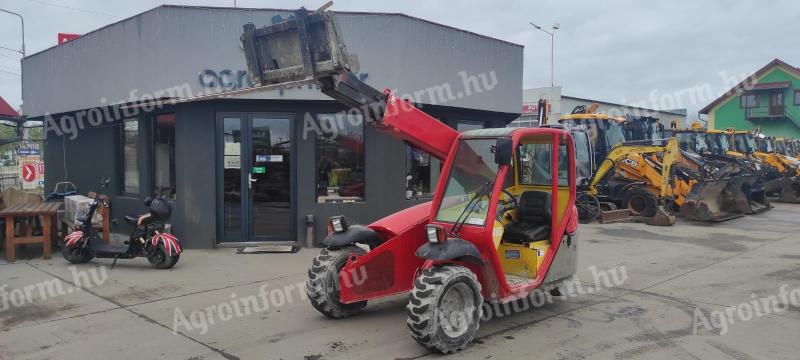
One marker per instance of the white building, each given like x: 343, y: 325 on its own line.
x: 559, y: 104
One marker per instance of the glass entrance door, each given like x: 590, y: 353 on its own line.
x: 256, y: 177
x: 270, y: 183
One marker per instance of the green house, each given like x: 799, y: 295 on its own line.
x: 768, y: 99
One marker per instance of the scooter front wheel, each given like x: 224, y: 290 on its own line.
x: 77, y: 254
x: 159, y: 259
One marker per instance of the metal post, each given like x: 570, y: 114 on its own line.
x: 552, y: 62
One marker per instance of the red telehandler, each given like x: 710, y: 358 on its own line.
x: 501, y: 225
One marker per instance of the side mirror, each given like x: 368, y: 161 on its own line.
x: 503, y: 151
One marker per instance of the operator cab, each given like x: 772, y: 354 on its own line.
x: 522, y: 224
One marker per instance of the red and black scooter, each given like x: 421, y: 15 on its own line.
x: 148, y: 236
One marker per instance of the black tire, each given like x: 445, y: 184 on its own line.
x: 588, y: 207
x: 322, y: 285
x: 437, y: 319
x: 640, y: 202
x: 159, y: 259
x: 77, y: 254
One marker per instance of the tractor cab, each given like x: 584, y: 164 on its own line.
x: 604, y: 131
x: 767, y: 145
x: 743, y: 142
x: 643, y: 128
x: 783, y: 147
x: 691, y: 140
x: 717, y: 142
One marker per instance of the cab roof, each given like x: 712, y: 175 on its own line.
x: 492, y: 132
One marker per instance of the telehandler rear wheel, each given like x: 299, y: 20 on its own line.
x: 445, y: 308
x: 322, y: 285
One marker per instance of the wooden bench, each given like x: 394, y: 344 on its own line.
x: 47, y: 211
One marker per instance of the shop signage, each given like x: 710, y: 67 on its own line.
x: 227, y: 80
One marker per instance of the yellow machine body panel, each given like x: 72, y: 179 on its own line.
x: 523, y: 260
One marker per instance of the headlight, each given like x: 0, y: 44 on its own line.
x: 435, y: 233
x: 338, y: 224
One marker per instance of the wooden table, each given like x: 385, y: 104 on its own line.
x: 47, y: 210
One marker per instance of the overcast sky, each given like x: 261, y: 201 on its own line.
x: 635, y: 52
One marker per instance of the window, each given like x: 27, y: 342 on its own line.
x: 130, y: 157
x: 748, y: 101
x: 422, y: 173
x: 340, y: 158
x: 164, y: 156
x: 524, y: 121
x: 535, y: 160
x: 797, y: 98
x: 471, y: 180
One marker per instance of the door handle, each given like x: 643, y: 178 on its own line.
x: 250, y: 181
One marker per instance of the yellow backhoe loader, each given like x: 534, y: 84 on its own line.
x: 742, y: 183
x: 630, y: 174
x: 781, y: 180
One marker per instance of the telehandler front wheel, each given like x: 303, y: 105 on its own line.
x: 445, y: 308
x: 322, y: 285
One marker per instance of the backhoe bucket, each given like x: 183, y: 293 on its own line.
x: 663, y: 216
x: 786, y: 188
x: 711, y: 200
x: 749, y: 194
x: 305, y: 47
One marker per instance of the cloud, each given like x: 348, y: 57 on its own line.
x: 611, y: 50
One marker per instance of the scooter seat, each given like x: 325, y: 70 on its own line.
x: 131, y: 219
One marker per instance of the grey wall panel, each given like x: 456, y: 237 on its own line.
x: 167, y: 47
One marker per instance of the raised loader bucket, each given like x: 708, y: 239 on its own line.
x: 749, y: 194
x: 710, y: 200
x: 305, y: 47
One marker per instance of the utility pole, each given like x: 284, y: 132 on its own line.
x: 556, y: 26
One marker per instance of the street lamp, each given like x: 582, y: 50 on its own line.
x: 22, y: 21
x: 556, y: 26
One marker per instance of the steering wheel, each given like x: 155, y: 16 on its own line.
x: 504, y: 205
x: 510, y: 196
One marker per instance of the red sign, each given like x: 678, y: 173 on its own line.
x: 62, y: 38
x: 532, y: 108
x: 29, y: 172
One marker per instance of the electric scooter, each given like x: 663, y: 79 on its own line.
x: 148, y: 236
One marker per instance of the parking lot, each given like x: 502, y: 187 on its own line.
x: 673, y: 283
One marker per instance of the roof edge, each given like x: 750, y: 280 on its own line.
x: 670, y: 111
x: 275, y: 9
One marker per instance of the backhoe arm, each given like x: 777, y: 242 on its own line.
x: 307, y: 48
x: 619, y: 152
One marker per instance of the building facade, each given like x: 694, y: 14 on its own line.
x: 260, y: 167
x: 769, y: 100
